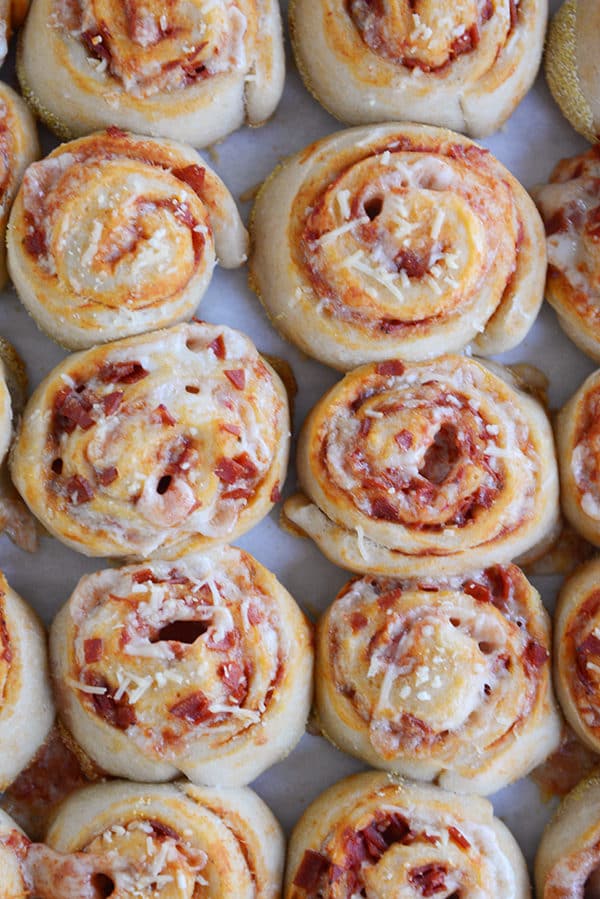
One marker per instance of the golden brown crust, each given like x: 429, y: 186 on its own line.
x: 442, y: 680
x: 379, y: 835
x: 396, y: 240
x: 157, y: 444
x: 426, y: 469
x: 465, y: 66
x: 117, y: 234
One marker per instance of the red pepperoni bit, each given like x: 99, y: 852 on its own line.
x: 391, y: 367
x: 358, y: 621
x: 107, y: 475
x: 226, y: 642
x: 161, y: 415
x: 72, y: 410
x: 194, y: 708
x: 141, y: 577
x: 404, y: 439
x: 458, y: 838
x: 163, y: 830
x: 234, y: 679
x: 535, y: 656
x: 254, y: 615
x: 92, y: 650
x: 122, y: 372
x: 275, y: 493
x: 115, y: 131
x: 95, y: 42
x: 477, y: 591
x: 112, y: 401
x: 428, y: 879
x: 232, y: 429
x: 397, y: 829
x: 383, y: 509
x: 35, y: 239
x: 239, y: 468
x: 412, y: 263
x: 466, y: 42
x: 237, y: 376
x: 218, y: 347
x: 311, y: 871
x: 193, y: 175
x: 118, y: 714
x: 79, y: 490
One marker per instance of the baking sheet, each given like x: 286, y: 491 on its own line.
x: 532, y: 141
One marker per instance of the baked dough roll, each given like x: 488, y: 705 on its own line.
x: 396, y: 240
x: 116, y: 234
x: 13, y: 850
x: 18, y: 148
x: 159, y: 444
x: 202, y: 667
x: 12, y: 13
x: 570, y: 207
x: 373, y: 835
x: 444, y: 680
x: 174, y: 841
x: 185, y: 69
x: 567, y: 864
x: 465, y: 65
x: 426, y: 469
x: 26, y: 707
x: 577, y: 652
x: 578, y: 449
x: 15, y: 517
x: 572, y: 64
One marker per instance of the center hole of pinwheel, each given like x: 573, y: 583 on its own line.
x: 103, y: 885
x: 163, y: 484
x: 441, y: 456
x: 373, y: 207
x: 591, y: 889
x: 181, y: 631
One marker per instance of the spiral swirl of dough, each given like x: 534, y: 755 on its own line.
x: 116, y: 234
x: 567, y: 864
x: 375, y: 835
x: 578, y: 447
x: 190, y: 70
x: 171, y: 841
x: 570, y: 208
x: 203, y: 667
x: 396, y: 240
x: 464, y: 64
x: 441, y: 680
x: 26, y: 706
x: 155, y: 445
x: 430, y: 468
x: 577, y: 652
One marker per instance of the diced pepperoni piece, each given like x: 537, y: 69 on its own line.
x: 535, y: 656
x: 391, y: 367
x: 458, y: 838
x: 92, y: 650
x: 193, y: 175
x: 122, y: 372
x: 311, y: 871
x: 358, y: 621
x: 237, y: 376
x: 112, y: 401
x: 194, y: 708
x: 79, y: 490
x: 478, y: 591
x: 239, y: 468
x: 275, y: 493
x: 107, y: 475
x: 218, y: 347
x: 429, y: 879
x: 162, y: 415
